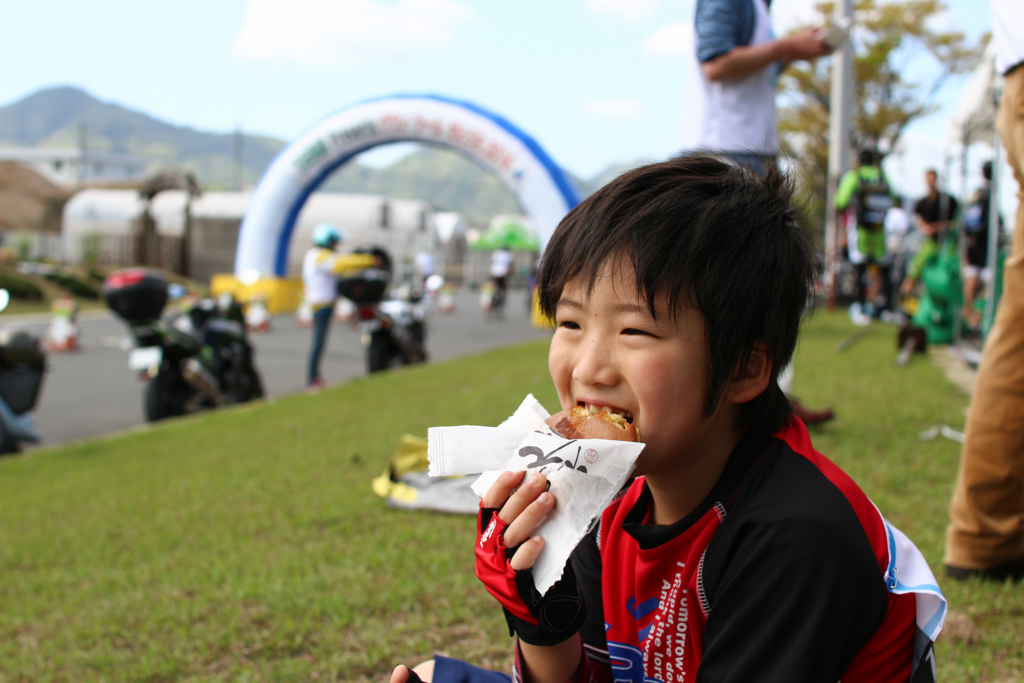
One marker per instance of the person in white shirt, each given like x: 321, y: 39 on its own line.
x: 501, y: 266
x: 321, y: 267
x: 985, y: 536
x: 501, y: 263
x: 732, y: 73
x: 731, y: 108
x: 424, y: 266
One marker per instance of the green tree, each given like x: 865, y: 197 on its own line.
x: 887, y: 38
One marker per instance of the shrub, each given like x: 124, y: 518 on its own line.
x: 20, y: 287
x: 74, y: 285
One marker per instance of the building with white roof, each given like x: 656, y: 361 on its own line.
x: 70, y: 166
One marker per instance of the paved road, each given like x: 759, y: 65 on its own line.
x: 92, y: 392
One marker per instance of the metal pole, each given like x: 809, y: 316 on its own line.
x: 83, y: 153
x: 185, y: 263
x: 237, y: 180
x: 840, y: 105
x: 960, y: 237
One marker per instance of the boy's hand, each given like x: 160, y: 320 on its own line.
x: 521, y: 512
x: 505, y: 552
x: 403, y: 674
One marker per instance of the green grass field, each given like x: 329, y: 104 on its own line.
x: 247, y: 545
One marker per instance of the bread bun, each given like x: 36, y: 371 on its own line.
x: 580, y: 423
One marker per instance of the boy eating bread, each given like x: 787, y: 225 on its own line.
x: 739, y: 553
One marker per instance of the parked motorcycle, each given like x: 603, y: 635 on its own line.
x: 22, y: 367
x: 191, y: 360
x: 392, y: 325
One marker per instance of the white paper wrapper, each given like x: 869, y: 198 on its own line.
x: 585, y: 474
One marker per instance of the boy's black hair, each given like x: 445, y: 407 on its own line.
x: 707, y: 233
x: 868, y: 157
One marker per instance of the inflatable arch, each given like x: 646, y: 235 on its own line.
x: 538, y: 184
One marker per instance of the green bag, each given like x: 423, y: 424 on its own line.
x: 941, y: 274
x: 943, y: 291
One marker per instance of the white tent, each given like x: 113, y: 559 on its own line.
x: 402, y: 226
x: 975, y: 121
x: 448, y: 224
x: 113, y: 212
x: 975, y: 116
x: 95, y: 211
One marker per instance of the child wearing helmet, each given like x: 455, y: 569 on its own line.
x: 320, y: 269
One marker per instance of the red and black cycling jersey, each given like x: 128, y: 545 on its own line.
x: 785, y: 572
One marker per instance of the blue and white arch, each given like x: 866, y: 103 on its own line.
x: 538, y: 184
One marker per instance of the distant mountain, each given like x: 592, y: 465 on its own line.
x: 451, y: 181
x: 589, y: 187
x: 51, y: 118
x: 446, y: 179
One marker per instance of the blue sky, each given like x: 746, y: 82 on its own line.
x: 595, y: 81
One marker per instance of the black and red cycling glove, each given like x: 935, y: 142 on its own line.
x: 546, y: 619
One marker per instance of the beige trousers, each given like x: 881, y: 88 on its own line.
x: 987, y: 511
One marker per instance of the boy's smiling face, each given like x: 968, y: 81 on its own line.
x: 608, y: 351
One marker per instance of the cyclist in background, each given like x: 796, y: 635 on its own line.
x: 501, y: 266
x: 866, y: 190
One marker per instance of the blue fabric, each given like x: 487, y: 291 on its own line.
x: 758, y: 163
x: 321, y: 325
x: 752, y: 161
x: 721, y: 25
x: 455, y: 671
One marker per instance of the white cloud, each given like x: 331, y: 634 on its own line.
x: 945, y: 20
x: 345, y: 32
x: 674, y: 40
x: 632, y: 10
x: 620, y: 108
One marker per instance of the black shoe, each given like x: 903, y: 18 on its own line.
x: 1012, y: 570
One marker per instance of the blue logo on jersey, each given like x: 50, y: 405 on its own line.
x: 627, y: 664
x: 645, y: 608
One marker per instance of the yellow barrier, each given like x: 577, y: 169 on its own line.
x: 283, y: 294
